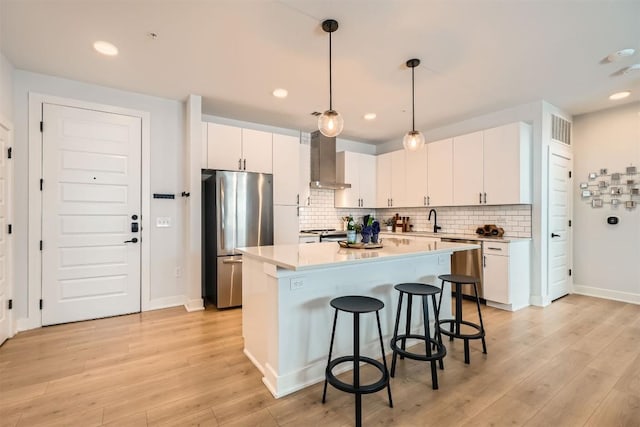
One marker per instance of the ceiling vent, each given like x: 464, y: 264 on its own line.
x: 560, y: 130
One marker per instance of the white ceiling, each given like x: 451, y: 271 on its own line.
x: 477, y: 56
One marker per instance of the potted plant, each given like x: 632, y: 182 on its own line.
x: 375, y: 230
x: 389, y: 223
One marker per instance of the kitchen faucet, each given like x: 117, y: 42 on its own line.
x: 436, y: 227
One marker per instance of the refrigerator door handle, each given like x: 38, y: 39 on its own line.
x: 232, y: 261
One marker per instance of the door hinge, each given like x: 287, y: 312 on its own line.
x: 569, y: 223
x: 40, y: 304
x: 9, y: 152
x: 41, y: 126
x: 569, y: 174
x: 10, y: 304
x: 569, y: 272
x: 40, y: 244
x: 41, y: 183
x: 9, y: 229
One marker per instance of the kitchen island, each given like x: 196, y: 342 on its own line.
x: 286, y: 316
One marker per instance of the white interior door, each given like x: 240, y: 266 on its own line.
x: 91, y: 192
x: 559, y: 231
x: 5, y: 253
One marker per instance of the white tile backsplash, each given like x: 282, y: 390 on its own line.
x: 515, y: 219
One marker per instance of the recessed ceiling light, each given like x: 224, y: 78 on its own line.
x: 280, y: 93
x: 616, y: 56
x: 619, y: 95
x: 631, y: 69
x: 370, y: 116
x: 105, y: 48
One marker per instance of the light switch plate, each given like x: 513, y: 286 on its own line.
x: 163, y: 221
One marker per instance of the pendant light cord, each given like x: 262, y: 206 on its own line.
x: 413, y: 100
x: 330, y: 79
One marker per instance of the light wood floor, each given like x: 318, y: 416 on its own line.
x: 574, y: 363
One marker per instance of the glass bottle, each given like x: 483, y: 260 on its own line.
x: 351, y: 230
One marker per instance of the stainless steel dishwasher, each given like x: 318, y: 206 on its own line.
x: 468, y: 263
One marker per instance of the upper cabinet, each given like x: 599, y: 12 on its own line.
x: 507, y: 164
x: 233, y: 148
x: 493, y: 166
x: 467, y: 169
x: 286, y: 170
x: 391, y: 180
x: 416, y: 177
x: 359, y: 170
x: 440, y: 173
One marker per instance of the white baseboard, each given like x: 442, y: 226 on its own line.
x: 194, y: 304
x: 539, y: 301
x: 606, y: 294
x: 166, y: 302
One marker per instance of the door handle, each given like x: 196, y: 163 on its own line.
x: 555, y: 235
x: 232, y: 261
x: 428, y: 201
x: 480, y: 198
x: 485, y: 198
x: 244, y: 164
x: 484, y: 261
x: 239, y: 164
x: 425, y: 200
x: 134, y: 240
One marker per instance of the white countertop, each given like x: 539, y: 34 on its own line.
x: 309, y: 256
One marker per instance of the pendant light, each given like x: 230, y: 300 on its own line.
x: 414, y: 139
x: 330, y: 123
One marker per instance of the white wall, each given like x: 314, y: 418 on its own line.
x: 6, y: 88
x: 167, y: 159
x: 606, y: 261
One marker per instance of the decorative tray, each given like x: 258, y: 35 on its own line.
x: 344, y: 244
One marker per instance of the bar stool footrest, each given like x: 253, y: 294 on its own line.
x: 477, y: 335
x: 439, y: 354
x: 362, y: 389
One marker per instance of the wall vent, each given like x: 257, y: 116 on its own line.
x: 560, y: 130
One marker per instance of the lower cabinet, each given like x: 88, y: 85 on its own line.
x: 506, y: 274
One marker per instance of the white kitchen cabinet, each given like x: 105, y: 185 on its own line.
x: 416, y: 178
x: 440, y: 173
x: 391, y: 180
x: 493, y: 166
x: 286, y: 170
x: 506, y: 274
x: 233, y: 148
x: 468, y: 169
x: 359, y: 170
x: 305, y: 175
x: 507, y: 164
x: 285, y: 225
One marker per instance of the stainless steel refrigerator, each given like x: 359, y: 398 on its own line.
x: 237, y: 212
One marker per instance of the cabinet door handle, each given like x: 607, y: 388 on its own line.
x: 298, y: 199
x: 428, y: 201
x: 309, y: 201
x: 240, y: 164
x: 425, y: 200
x: 245, y: 164
x: 494, y: 249
x: 297, y: 210
x: 485, y: 198
x: 392, y: 201
x: 484, y: 261
x: 480, y: 198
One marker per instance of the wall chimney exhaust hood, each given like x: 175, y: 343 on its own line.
x: 323, y: 163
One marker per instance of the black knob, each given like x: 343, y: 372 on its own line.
x: 134, y: 240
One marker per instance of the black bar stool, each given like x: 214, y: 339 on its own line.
x: 458, y: 280
x: 357, y: 305
x: 423, y: 290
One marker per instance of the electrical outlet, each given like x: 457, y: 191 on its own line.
x: 163, y: 221
x: 178, y: 271
x: 297, y: 283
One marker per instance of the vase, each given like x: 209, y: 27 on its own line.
x: 389, y: 227
x: 351, y: 236
x: 374, y: 238
x: 366, y: 237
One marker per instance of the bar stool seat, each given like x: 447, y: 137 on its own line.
x: 455, y: 324
x: 429, y: 355
x: 357, y: 305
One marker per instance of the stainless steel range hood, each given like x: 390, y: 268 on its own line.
x: 323, y: 163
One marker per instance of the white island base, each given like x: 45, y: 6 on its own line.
x: 286, y: 316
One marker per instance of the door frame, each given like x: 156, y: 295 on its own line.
x: 566, y: 152
x: 34, y: 261
x: 7, y: 124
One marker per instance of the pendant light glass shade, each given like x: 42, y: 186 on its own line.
x: 414, y: 139
x: 330, y: 123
